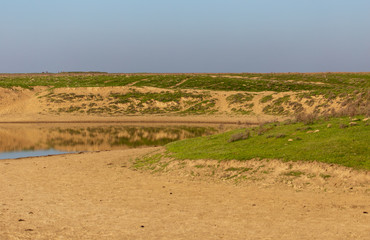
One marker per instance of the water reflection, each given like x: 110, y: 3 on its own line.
x: 76, y: 138
x: 22, y: 154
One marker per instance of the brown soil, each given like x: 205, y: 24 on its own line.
x: 98, y: 196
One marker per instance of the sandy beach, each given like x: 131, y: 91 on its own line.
x: 98, y: 195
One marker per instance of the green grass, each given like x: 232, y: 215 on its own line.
x: 276, y: 107
x: 73, y: 80
x: 239, y: 98
x: 266, y: 99
x: 294, y: 173
x: 348, y: 147
x: 164, y: 96
x: 203, y: 107
x: 147, y: 161
x: 238, y: 84
x: 333, y: 84
x: 359, y: 79
x: 237, y: 169
x: 324, y: 176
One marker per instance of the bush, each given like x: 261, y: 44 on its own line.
x: 280, y: 136
x: 306, y: 118
x: 239, y: 136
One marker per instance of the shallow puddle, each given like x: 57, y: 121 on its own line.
x: 24, y: 140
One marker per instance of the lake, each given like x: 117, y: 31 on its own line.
x: 26, y: 140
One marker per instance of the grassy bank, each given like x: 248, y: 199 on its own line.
x: 343, y: 141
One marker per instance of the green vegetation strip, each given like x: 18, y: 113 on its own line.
x: 318, y: 83
x: 164, y: 96
x: 342, y: 141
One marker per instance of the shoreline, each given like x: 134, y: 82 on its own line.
x: 144, y: 119
x: 130, y: 121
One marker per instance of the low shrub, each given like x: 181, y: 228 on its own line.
x: 239, y: 136
x: 280, y: 136
x: 306, y: 118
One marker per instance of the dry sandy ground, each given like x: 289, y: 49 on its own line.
x: 97, y: 196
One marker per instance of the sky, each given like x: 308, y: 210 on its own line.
x: 184, y: 35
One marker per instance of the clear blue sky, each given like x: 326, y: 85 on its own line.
x: 184, y: 35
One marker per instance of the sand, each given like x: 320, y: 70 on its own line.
x: 98, y: 195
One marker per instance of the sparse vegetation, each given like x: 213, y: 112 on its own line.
x: 325, y: 176
x: 328, y: 84
x: 135, y: 102
x: 277, y: 108
x: 294, y: 173
x: 164, y: 96
x: 238, y: 169
x: 239, y: 98
x: 320, y: 92
x: 266, y: 99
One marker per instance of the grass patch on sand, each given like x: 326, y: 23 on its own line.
x: 239, y: 98
x: 164, y: 96
x: 301, y: 142
x: 148, y: 162
x: 294, y: 173
x: 266, y: 99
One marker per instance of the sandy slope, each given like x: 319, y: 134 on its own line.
x: 97, y: 196
x: 96, y: 104
x: 23, y: 105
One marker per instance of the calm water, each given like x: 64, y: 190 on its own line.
x: 36, y: 153
x: 38, y: 140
